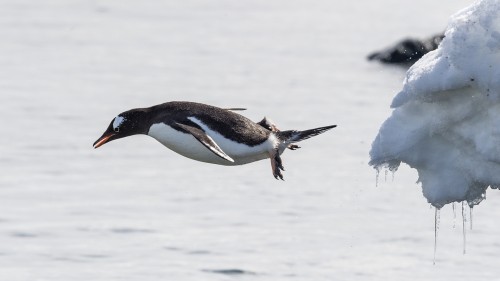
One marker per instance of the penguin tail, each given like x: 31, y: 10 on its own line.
x: 296, y: 136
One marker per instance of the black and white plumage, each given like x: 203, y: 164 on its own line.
x: 208, y: 134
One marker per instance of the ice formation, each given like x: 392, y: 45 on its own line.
x: 446, y: 119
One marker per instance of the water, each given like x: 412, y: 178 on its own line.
x: 132, y: 210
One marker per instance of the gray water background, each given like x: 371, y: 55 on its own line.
x: 133, y: 210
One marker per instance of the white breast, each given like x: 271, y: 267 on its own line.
x: 188, y: 146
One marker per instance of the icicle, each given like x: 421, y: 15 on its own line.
x: 470, y: 217
x: 436, y: 229
x: 454, y: 215
x: 385, y: 176
x: 464, y: 220
x: 376, y: 177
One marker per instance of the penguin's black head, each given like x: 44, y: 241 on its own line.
x: 126, y: 124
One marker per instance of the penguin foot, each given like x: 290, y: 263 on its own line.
x: 277, y: 165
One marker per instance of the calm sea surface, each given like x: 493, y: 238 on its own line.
x: 133, y: 210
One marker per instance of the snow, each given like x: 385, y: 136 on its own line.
x: 445, y: 119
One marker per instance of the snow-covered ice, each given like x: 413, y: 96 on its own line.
x: 446, y: 119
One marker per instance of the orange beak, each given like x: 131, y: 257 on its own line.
x: 102, y: 140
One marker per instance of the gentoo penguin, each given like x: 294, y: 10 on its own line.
x: 208, y: 134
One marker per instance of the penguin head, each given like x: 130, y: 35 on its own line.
x: 126, y: 124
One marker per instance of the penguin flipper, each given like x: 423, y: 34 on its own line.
x: 205, y: 139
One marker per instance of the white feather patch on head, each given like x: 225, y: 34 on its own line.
x: 118, y: 121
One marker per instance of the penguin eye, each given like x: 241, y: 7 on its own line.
x: 117, y: 129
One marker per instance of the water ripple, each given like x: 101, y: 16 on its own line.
x: 231, y: 271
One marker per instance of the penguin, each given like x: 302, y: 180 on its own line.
x: 208, y: 133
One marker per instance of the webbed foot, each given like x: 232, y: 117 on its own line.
x: 277, y: 165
